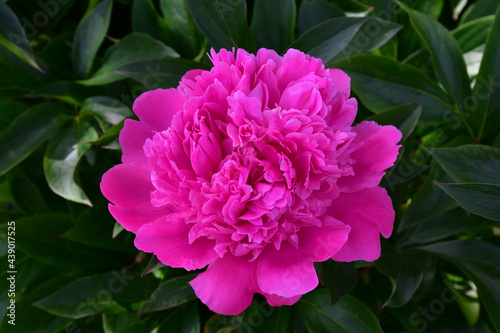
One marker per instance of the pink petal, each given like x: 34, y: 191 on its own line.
x: 285, y: 272
x: 275, y: 300
x: 168, y: 239
x: 227, y: 286
x: 128, y: 187
x: 377, y: 152
x: 157, y: 107
x: 302, y: 96
x: 132, y: 138
x: 368, y: 212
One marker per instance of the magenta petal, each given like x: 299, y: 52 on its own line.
x: 285, y: 272
x: 169, y: 240
x: 128, y: 187
x: 227, y: 286
x: 368, y: 212
x: 378, y: 151
x: 275, y: 300
x: 157, y: 107
x: 132, y: 138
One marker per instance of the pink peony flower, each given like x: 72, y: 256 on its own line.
x: 253, y: 168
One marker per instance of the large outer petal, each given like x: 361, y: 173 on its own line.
x: 132, y: 138
x: 227, y: 286
x: 128, y: 187
x: 289, y: 272
x: 377, y: 152
x: 368, y: 212
x: 157, y: 107
x: 168, y: 239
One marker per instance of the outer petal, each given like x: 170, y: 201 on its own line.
x: 168, y: 239
x: 275, y: 300
x: 128, y: 187
x: 132, y: 139
x: 368, y: 212
x: 289, y: 272
x: 227, y: 286
x: 377, y: 152
x: 157, y: 107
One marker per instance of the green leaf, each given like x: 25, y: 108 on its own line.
x: 220, y: 323
x: 339, y: 277
x: 28, y: 131
x: 62, y: 156
x: 469, y: 163
x: 314, y: 12
x: 382, y: 83
x: 347, y: 315
x: 110, y: 293
x: 185, y: 319
x: 158, y: 73
x: 222, y: 22
x: 476, y: 198
x: 447, y: 59
x: 89, y: 36
x: 280, y: 34
x: 372, y: 35
x: 135, y: 46
x: 185, y: 36
x: 473, y: 33
x: 153, y: 264
x: 39, y: 237
x: 66, y: 91
x: 404, y: 117
x: 486, y: 89
x: 170, y: 294
x: 145, y: 19
x: 8, y: 111
x: 330, y: 38
x: 479, y: 9
x: 26, y: 193
x: 107, y: 111
x: 480, y: 261
x: 13, y: 37
x: 428, y: 203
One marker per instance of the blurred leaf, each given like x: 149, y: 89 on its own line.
x: 13, y: 37
x: 373, y: 34
x: 57, y: 55
x: 476, y: 198
x: 382, y: 83
x: 404, y: 117
x: 280, y: 34
x: 184, y: 319
x: 158, y: 73
x: 469, y: 163
x: 314, y: 12
x: 347, y: 315
x: 185, y: 35
x: 473, y: 33
x: 38, y: 236
x: 117, y: 229
x: 488, y: 81
x: 17, y: 77
x: 480, y: 261
x: 447, y: 58
x: 89, y: 36
x: 429, y: 202
x: 170, y: 294
x: 28, y: 131
x: 26, y: 193
x: 478, y: 9
x: 330, y: 38
x: 135, y: 46
x: 62, y: 156
x: 66, y: 91
x: 107, y: 111
x: 8, y: 111
x: 223, y: 22
x: 124, y: 322
x: 220, y: 323
x: 145, y: 19
x: 339, y: 277
x: 104, y: 293
x: 278, y: 320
